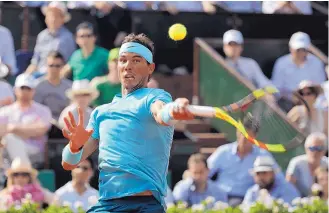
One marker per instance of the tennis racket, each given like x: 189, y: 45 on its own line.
x: 265, y: 117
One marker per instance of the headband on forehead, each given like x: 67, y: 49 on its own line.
x: 134, y: 47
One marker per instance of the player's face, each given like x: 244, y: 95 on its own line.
x: 198, y: 172
x: 54, y: 19
x: 85, y: 38
x: 233, y: 50
x: 83, y: 172
x: 24, y: 93
x: 263, y: 179
x: 54, y: 66
x: 134, y: 71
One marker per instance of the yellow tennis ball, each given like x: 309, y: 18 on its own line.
x: 177, y: 32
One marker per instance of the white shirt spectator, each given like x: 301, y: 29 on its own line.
x: 269, y: 7
x: 7, y: 50
x: 250, y: 69
x: 6, y: 91
x: 287, y: 75
x: 67, y: 194
x: 241, y: 6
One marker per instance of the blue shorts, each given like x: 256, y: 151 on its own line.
x: 132, y: 204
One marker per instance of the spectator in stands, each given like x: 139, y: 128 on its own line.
x: 55, y: 37
x: 299, y: 65
x: 24, y: 124
x: 321, y: 180
x: 7, y: 93
x: 264, y: 177
x: 22, y: 180
x: 241, y: 6
x: 7, y: 49
x: 301, y: 169
x: 322, y: 101
x: 108, y: 86
x: 246, y: 67
x: 90, y: 60
x: 287, y: 7
x: 50, y: 91
x: 233, y: 176
x: 298, y: 114
x: 197, y: 187
x: 189, y: 6
x: 78, y: 189
x: 81, y: 95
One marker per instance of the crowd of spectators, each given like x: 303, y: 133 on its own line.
x: 69, y: 71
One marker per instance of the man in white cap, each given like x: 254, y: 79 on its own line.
x: 246, y: 67
x: 24, y: 124
x: 289, y: 70
x: 264, y: 177
x: 55, y: 37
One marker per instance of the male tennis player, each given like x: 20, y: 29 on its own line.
x: 134, y: 134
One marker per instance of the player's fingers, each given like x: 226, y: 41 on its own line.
x: 74, y: 124
x: 81, y: 117
x: 68, y: 124
x: 66, y: 134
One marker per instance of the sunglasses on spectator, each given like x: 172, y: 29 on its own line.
x: 25, y: 88
x: 23, y: 174
x: 316, y: 148
x: 86, y: 36
x: 84, y: 168
x: 54, y: 65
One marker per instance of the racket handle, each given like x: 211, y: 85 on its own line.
x: 202, y: 111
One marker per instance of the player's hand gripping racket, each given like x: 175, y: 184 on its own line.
x: 262, y: 115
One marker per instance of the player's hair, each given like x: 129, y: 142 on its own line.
x: 86, y: 25
x: 56, y: 54
x: 196, y: 159
x: 141, y: 39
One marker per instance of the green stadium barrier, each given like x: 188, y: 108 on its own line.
x: 47, y: 179
x: 218, y: 87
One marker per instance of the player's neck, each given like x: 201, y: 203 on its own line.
x: 126, y: 91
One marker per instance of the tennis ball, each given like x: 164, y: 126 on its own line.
x: 177, y: 32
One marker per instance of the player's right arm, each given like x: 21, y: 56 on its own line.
x: 81, y: 144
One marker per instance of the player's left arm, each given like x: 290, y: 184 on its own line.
x: 166, y: 113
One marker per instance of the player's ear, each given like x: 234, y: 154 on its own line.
x: 151, y: 68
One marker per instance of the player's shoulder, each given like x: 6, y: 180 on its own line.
x: 157, y: 92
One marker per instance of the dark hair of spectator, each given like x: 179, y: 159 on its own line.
x: 86, y: 25
x: 56, y: 54
x: 196, y: 159
x: 251, y: 123
x: 90, y: 160
x: 141, y: 39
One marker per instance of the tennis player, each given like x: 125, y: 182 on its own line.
x: 133, y: 133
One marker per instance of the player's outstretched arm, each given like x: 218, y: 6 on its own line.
x: 166, y: 114
x: 80, y: 146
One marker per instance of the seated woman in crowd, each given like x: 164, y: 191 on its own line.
x: 22, y: 184
x: 298, y: 114
x: 81, y: 95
